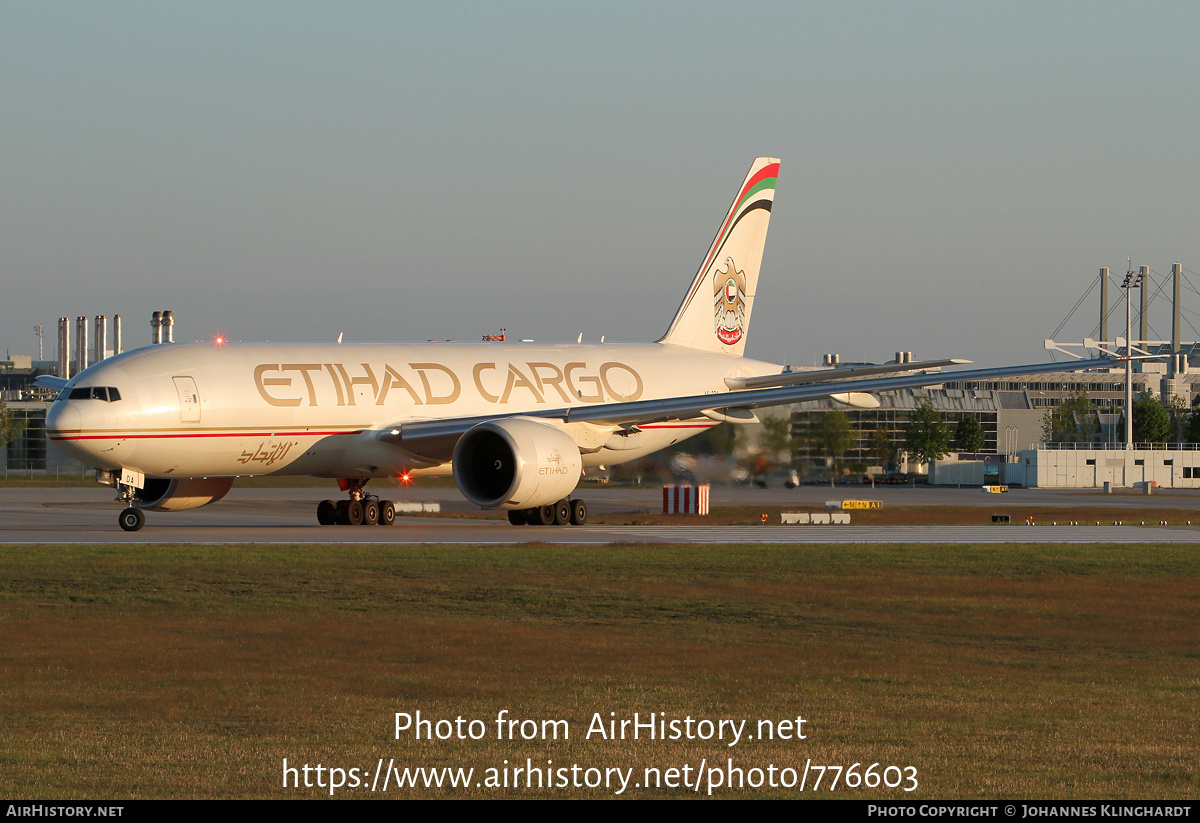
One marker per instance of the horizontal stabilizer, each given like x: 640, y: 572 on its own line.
x: 49, y: 381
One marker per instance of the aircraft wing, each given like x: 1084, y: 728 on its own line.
x: 435, y: 439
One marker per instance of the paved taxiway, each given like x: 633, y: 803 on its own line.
x: 286, y: 516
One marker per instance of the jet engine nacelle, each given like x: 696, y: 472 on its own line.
x: 163, y: 495
x: 516, y: 463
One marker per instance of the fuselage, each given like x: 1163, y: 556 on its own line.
x: 239, y: 409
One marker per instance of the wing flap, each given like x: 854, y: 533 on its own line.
x: 824, y: 375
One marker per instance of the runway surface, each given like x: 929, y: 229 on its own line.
x: 286, y: 516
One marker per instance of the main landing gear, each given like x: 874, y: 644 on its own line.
x: 563, y: 513
x: 368, y: 512
x: 361, y: 509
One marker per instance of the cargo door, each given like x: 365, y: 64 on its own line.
x: 189, y: 400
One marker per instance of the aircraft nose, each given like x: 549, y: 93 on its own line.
x: 62, y: 420
x: 63, y: 426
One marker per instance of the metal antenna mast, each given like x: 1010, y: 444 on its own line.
x: 1133, y: 280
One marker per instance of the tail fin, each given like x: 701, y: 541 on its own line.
x: 729, y: 274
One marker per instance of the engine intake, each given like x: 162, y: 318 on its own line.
x: 516, y: 463
x: 161, y: 494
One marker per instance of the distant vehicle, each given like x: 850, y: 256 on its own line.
x: 788, y: 478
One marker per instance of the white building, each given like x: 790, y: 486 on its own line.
x: 1068, y: 465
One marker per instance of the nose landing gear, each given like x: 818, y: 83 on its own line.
x: 132, y: 519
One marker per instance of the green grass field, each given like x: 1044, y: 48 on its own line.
x: 996, y: 672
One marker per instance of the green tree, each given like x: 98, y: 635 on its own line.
x: 719, y: 440
x: 832, y: 434
x: 10, y: 425
x: 1071, y: 421
x: 927, y: 436
x: 881, y: 445
x: 1180, y: 415
x: 1191, y: 429
x: 776, y: 439
x: 968, y: 435
x: 1151, y: 422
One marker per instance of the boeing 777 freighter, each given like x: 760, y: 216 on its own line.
x: 172, y: 426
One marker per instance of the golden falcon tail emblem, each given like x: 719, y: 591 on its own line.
x: 729, y: 301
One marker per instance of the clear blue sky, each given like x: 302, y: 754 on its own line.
x: 954, y: 174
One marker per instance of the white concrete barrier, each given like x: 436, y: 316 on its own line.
x: 814, y: 518
x: 417, y: 508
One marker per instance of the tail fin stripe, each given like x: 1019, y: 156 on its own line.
x: 765, y: 179
x: 716, y: 252
x: 771, y: 171
x: 728, y: 227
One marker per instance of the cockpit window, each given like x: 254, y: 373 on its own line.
x: 106, y: 393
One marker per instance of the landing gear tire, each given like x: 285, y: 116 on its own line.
x: 354, y: 513
x: 562, y: 513
x: 578, y: 512
x: 370, y: 513
x: 327, y: 512
x: 132, y: 519
x: 387, y: 512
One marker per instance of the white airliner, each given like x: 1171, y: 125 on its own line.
x: 172, y: 426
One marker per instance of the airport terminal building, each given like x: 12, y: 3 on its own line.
x: 1011, y: 413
